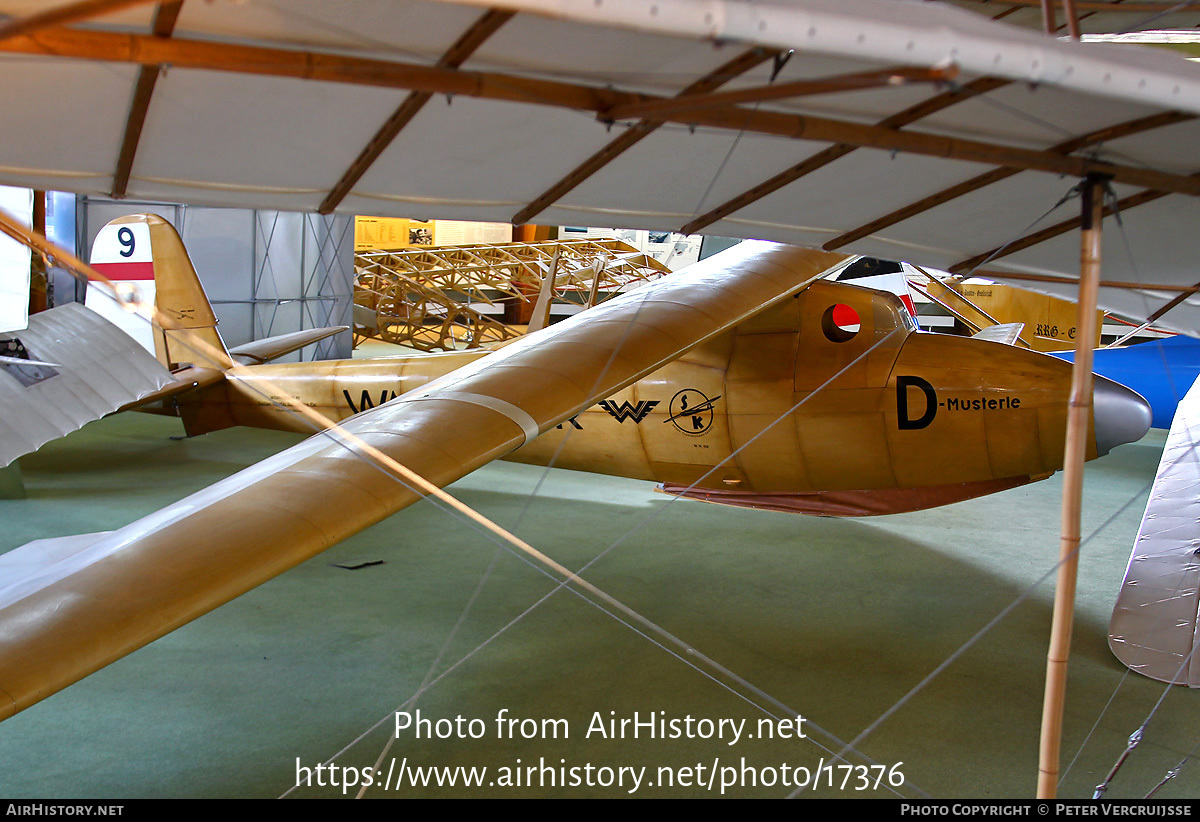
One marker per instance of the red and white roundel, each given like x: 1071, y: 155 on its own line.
x: 846, y: 319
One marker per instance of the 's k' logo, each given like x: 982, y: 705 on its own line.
x: 626, y: 411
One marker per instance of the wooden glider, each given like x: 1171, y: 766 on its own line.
x: 83, y: 607
x: 757, y: 378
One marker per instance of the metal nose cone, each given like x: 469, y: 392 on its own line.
x: 1122, y: 415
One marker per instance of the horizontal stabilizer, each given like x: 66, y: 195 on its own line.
x: 260, y: 351
x: 187, y: 379
x: 102, y: 369
x: 365, y: 317
x: 1006, y: 333
x: 1153, y: 627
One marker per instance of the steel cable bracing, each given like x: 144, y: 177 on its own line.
x: 685, y: 647
x: 545, y: 473
x: 1136, y: 737
x: 1072, y: 193
x: 389, y: 466
x: 985, y: 629
x: 1174, y: 772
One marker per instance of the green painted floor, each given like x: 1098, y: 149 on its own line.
x: 837, y: 619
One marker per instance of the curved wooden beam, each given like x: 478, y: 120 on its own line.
x: 337, y: 68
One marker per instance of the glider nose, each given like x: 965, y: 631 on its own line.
x: 1121, y: 414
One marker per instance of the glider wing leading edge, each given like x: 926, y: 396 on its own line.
x: 71, y: 609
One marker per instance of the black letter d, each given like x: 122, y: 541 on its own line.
x: 902, y: 386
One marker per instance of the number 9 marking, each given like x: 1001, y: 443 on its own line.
x: 125, y: 238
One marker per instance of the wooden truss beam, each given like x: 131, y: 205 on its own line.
x: 64, y: 15
x: 655, y: 109
x: 195, y: 54
x: 165, y: 18
x: 827, y: 156
x: 1125, y: 129
x: 455, y: 56
x: 969, y: 265
x: 634, y: 134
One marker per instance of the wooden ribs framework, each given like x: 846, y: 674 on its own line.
x: 420, y: 297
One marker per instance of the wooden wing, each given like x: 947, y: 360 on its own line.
x: 71, y: 606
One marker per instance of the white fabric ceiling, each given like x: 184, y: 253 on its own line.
x: 227, y: 125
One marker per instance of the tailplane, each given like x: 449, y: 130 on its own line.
x: 144, y: 258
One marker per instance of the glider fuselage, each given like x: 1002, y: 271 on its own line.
x: 789, y: 410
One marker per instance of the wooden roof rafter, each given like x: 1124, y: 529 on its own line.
x: 823, y: 158
x: 341, y: 68
x: 165, y: 17
x: 636, y: 133
x: 455, y: 56
x: 65, y: 15
x: 1125, y: 129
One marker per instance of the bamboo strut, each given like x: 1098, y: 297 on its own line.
x: 1073, y: 458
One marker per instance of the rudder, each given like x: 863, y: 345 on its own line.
x: 145, y: 258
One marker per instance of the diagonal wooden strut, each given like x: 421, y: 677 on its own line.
x: 455, y: 56
x: 165, y: 18
x: 827, y: 156
x: 997, y: 174
x: 64, y: 15
x: 632, y: 136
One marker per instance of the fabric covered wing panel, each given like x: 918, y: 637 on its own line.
x: 97, y: 369
x: 1153, y: 626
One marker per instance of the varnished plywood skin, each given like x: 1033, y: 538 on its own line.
x: 780, y: 404
x: 72, y: 616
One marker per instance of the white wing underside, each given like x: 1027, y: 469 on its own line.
x: 1153, y: 627
x: 102, y: 369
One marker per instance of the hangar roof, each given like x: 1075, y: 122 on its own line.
x: 906, y: 130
